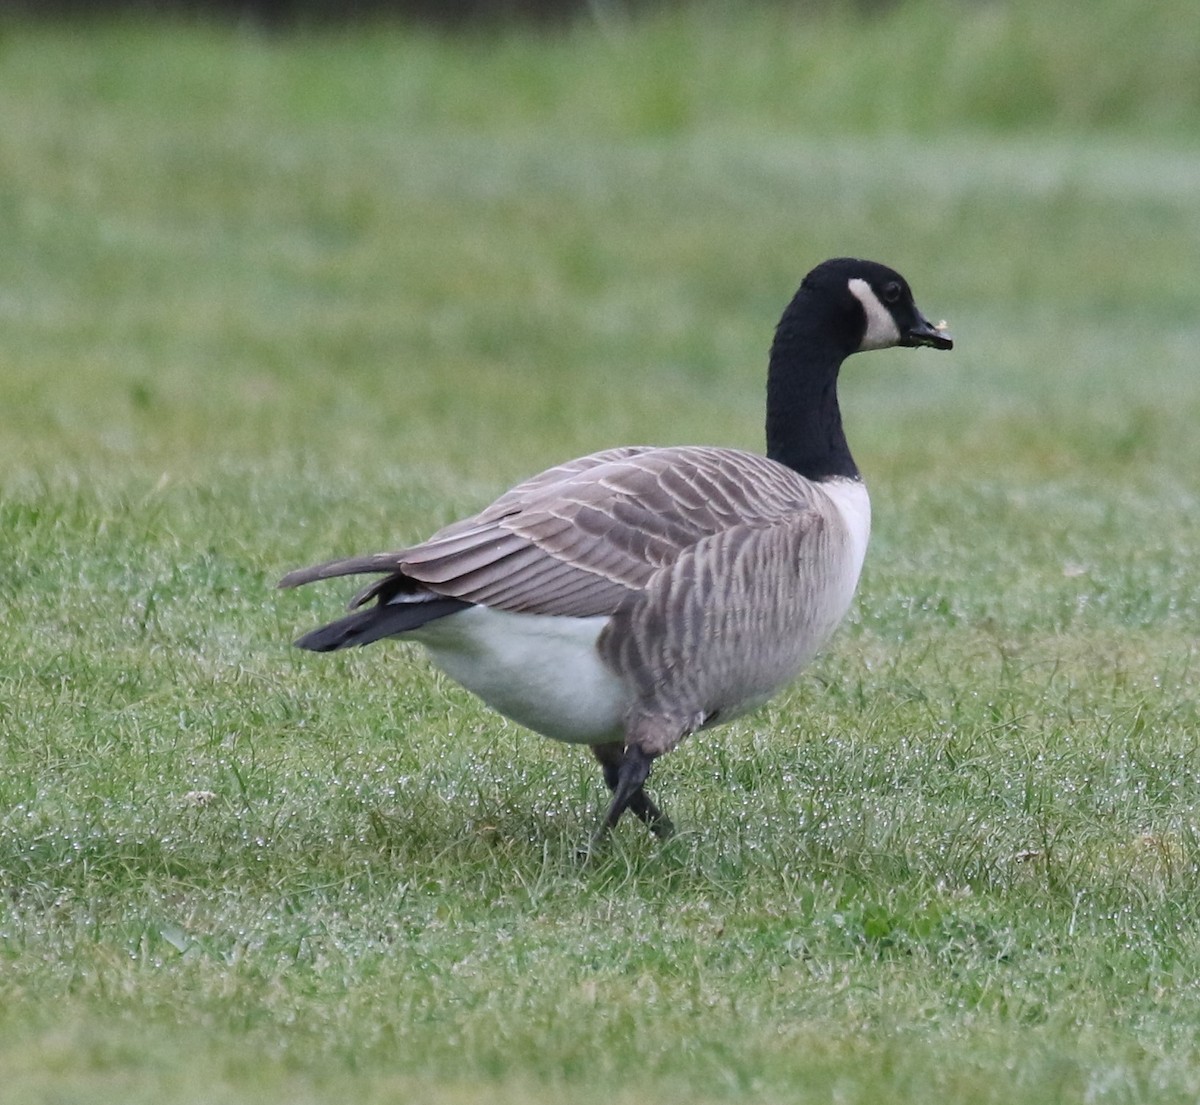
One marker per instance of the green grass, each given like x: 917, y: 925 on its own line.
x: 267, y: 300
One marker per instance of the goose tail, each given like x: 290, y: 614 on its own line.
x: 376, y: 622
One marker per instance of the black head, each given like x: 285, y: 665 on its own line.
x: 877, y: 304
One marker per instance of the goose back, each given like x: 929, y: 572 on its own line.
x: 580, y: 539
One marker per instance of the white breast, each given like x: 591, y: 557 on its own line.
x: 853, y: 505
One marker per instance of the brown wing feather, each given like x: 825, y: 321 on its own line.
x: 580, y: 538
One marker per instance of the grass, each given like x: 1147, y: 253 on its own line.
x: 266, y: 300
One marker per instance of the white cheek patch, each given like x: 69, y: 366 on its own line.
x: 882, y: 331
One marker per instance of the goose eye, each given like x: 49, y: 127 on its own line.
x: 891, y: 292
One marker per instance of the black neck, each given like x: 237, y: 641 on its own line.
x: 804, y: 422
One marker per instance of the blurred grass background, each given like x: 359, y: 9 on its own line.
x: 271, y: 297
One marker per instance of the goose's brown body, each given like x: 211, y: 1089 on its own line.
x: 675, y: 586
x: 631, y: 597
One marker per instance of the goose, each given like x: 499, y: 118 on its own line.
x: 627, y: 599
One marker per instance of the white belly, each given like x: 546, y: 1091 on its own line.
x: 542, y: 671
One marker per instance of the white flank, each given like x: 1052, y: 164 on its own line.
x: 542, y: 671
x: 882, y: 331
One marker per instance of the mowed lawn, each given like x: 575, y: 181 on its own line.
x: 270, y: 299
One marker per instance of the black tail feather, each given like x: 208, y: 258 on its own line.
x: 377, y: 622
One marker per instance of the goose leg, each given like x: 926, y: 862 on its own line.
x: 626, y: 783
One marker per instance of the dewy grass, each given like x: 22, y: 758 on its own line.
x: 271, y: 299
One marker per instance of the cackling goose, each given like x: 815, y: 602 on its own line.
x: 629, y: 598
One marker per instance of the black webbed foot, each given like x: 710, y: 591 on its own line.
x: 625, y: 773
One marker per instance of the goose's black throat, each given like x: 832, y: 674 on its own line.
x: 804, y: 421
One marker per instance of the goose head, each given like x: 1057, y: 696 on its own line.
x: 877, y: 306
x: 843, y: 306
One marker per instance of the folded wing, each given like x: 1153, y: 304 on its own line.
x: 580, y: 538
